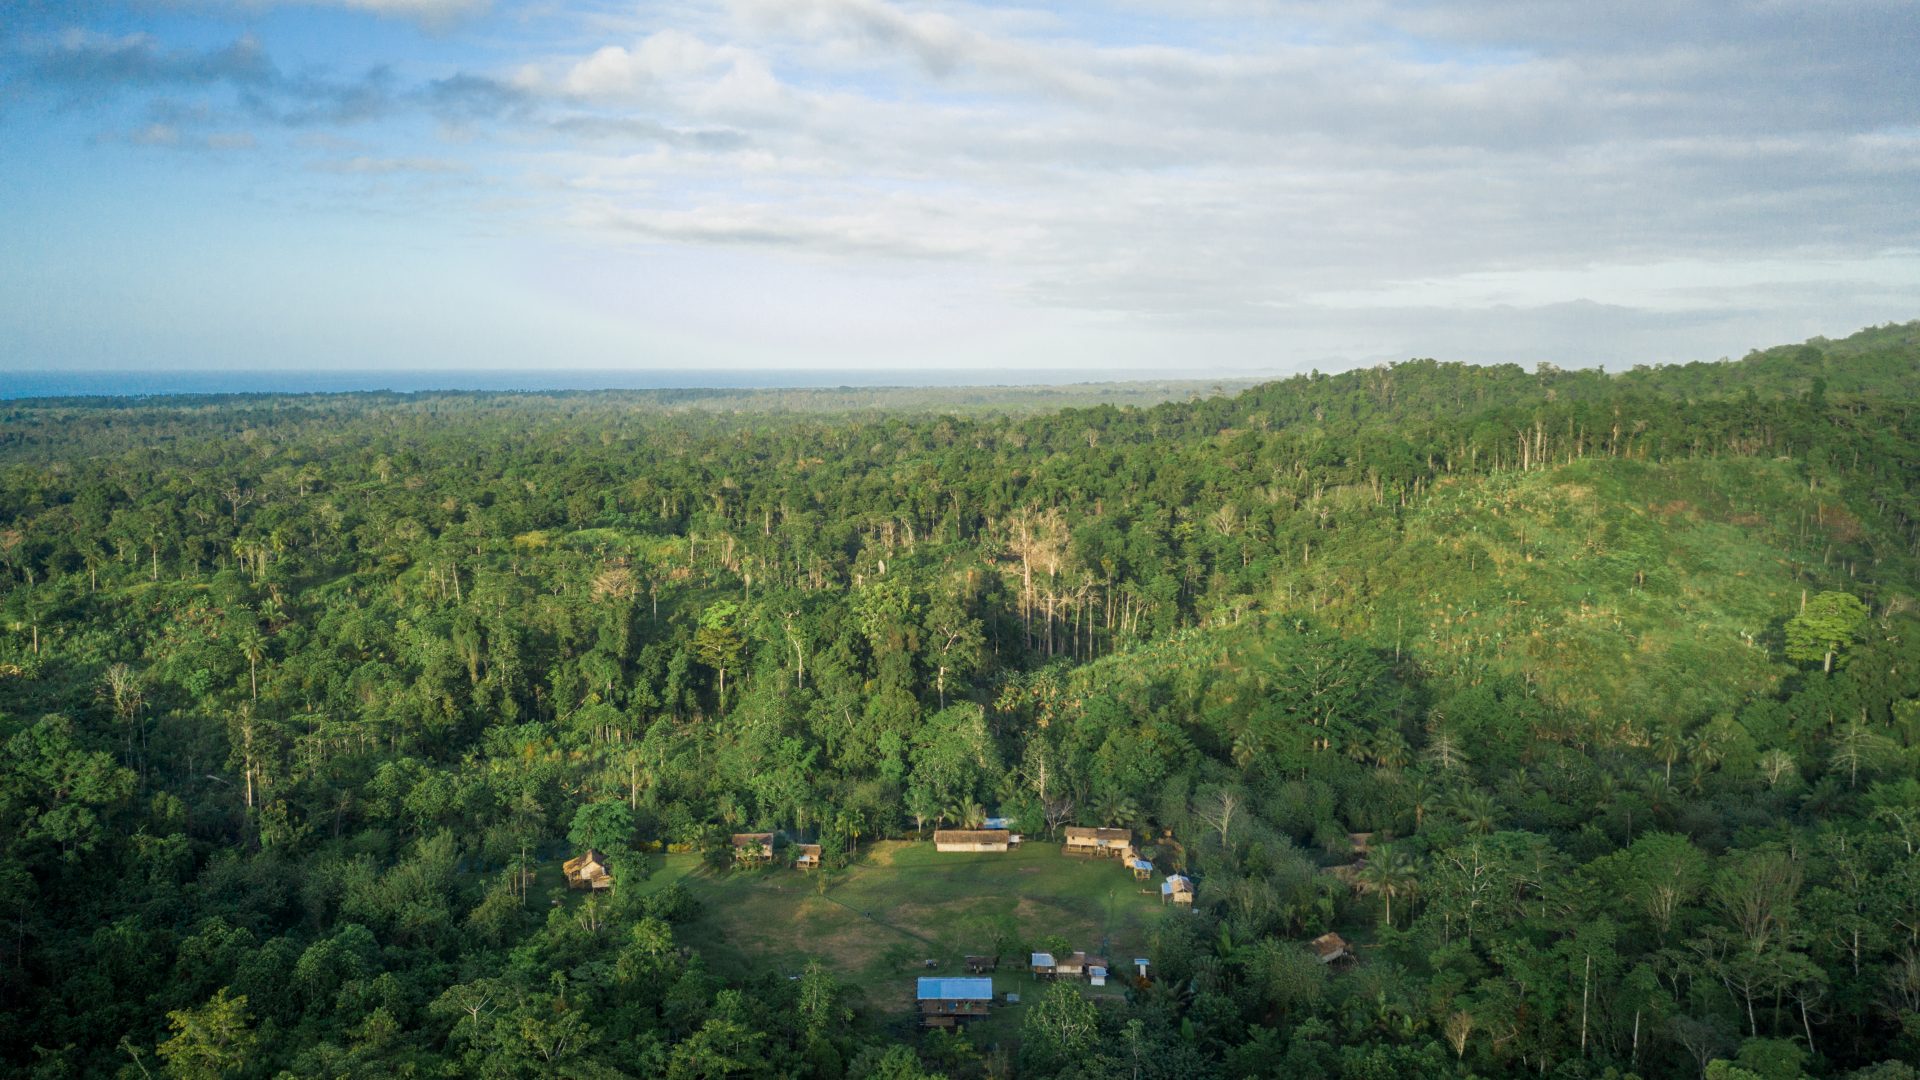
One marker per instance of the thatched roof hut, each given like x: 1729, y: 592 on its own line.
x: 1330, y: 947
x: 753, y: 846
x: 587, y: 871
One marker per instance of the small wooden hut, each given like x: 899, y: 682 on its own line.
x: 1043, y: 965
x: 588, y: 871
x: 1072, y: 966
x: 1330, y: 947
x: 806, y: 857
x: 982, y: 965
x: 1177, y: 889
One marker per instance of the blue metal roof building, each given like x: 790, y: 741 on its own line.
x: 945, y: 1002
x: 944, y: 989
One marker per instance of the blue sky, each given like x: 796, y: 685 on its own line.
x: 1142, y: 186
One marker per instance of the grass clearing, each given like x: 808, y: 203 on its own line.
x: 876, y: 924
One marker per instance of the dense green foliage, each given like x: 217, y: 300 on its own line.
x: 1622, y: 672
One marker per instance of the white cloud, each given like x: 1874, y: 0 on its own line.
x: 939, y: 42
x: 675, y: 65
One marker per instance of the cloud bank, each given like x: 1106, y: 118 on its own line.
x: 1287, y: 182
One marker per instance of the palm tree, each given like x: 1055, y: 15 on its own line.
x: 254, y: 648
x: 1706, y: 751
x: 1668, y: 743
x: 967, y: 813
x: 1116, y: 810
x: 1389, y: 872
x: 1423, y: 792
x: 1388, y: 749
x: 851, y: 822
x: 1658, y: 791
x: 1475, y: 809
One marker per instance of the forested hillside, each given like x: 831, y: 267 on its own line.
x: 303, y: 699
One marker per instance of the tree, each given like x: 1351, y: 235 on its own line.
x: 209, y: 1041
x: 1857, y: 746
x: 1457, y: 1028
x: 717, y: 641
x: 819, y: 1009
x: 124, y: 689
x: 724, y: 1046
x: 53, y: 789
x: 1661, y: 872
x: 1059, y: 1028
x: 1827, y: 624
x: 253, y: 646
x: 1772, y: 1059
x: 1777, y: 767
x: 606, y: 825
x: 896, y: 1062
x: 1445, y: 752
x: 1220, y: 810
x: 956, y: 641
x: 1389, y: 872
x: 1475, y: 809
x: 1756, y: 889
x: 469, y: 1005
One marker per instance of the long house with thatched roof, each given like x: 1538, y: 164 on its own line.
x: 972, y: 840
x: 1112, y: 843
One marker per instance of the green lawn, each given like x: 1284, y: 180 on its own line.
x: 877, y: 923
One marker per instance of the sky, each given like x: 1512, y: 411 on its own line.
x: 1203, y: 187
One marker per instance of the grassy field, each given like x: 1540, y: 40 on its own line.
x: 877, y: 923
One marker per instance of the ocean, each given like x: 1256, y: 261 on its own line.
x: 29, y: 384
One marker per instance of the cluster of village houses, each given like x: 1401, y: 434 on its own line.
x: 945, y: 1002
x: 1106, y: 843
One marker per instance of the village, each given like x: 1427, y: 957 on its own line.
x: 979, y: 946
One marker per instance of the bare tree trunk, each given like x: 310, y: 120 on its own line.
x: 1586, y: 972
